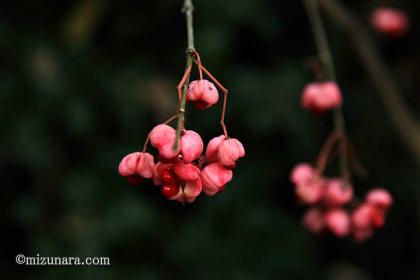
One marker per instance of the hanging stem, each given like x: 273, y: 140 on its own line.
x: 324, y: 54
x: 197, y: 60
x: 188, y: 9
x: 225, y: 94
x: 315, y: 66
x: 181, y: 84
x: 325, y: 152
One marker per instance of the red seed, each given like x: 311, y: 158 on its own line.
x: 170, y: 190
x: 168, y: 176
x: 378, y: 219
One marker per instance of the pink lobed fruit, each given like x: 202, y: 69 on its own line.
x: 189, y: 192
x: 186, y: 171
x: 338, y: 222
x: 230, y: 150
x: 162, y: 137
x: 214, y: 177
x: 213, y: 148
x: 313, y: 220
x: 321, y: 96
x: 362, y: 216
x: 138, y: 163
x: 203, y: 93
x: 310, y: 193
x: 380, y: 198
x: 302, y: 173
x: 192, y: 145
x: 390, y: 21
x: 368, y: 216
x: 337, y: 192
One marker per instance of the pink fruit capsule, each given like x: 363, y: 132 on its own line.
x: 302, y: 173
x: 380, y: 198
x: 337, y: 192
x: 390, y: 21
x: 230, y: 150
x: 213, y: 148
x: 321, y: 96
x: 189, y: 192
x: 338, y: 222
x: 186, y: 171
x: 214, y: 177
x: 162, y: 137
x: 313, y: 220
x: 192, y: 146
x: 310, y: 193
x: 203, y: 93
x: 138, y: 163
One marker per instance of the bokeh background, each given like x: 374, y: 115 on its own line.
x: 82, y: 83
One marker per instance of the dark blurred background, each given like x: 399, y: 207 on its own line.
x: 82, y: 83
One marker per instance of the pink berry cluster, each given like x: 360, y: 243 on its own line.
x: 182, y: 169
x: 184, y: 173
x: 321, y: 96
x: 333, y: 206
x: 332, y: 201
x: 390, y: 21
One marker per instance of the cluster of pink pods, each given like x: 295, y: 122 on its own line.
x: 333, y: 206
x: 182, y: 170
x: 321, y: 96
x: 390, y: 21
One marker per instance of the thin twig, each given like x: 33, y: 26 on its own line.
x: 325, y: 152
x: 188, y: 9
x: 181, y: 84
x: 198, y: 62
x: 324, y: 53
x: 225, y: 94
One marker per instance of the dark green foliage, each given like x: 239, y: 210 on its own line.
x: 72, y: 106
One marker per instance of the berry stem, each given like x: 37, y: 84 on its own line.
x: 225, y: 94
x: 314, y: 65
x: 325, y: 153
x: 187, y: 9
x: 181, y: 84
x: 197, y: 60
x: 324, y: 55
